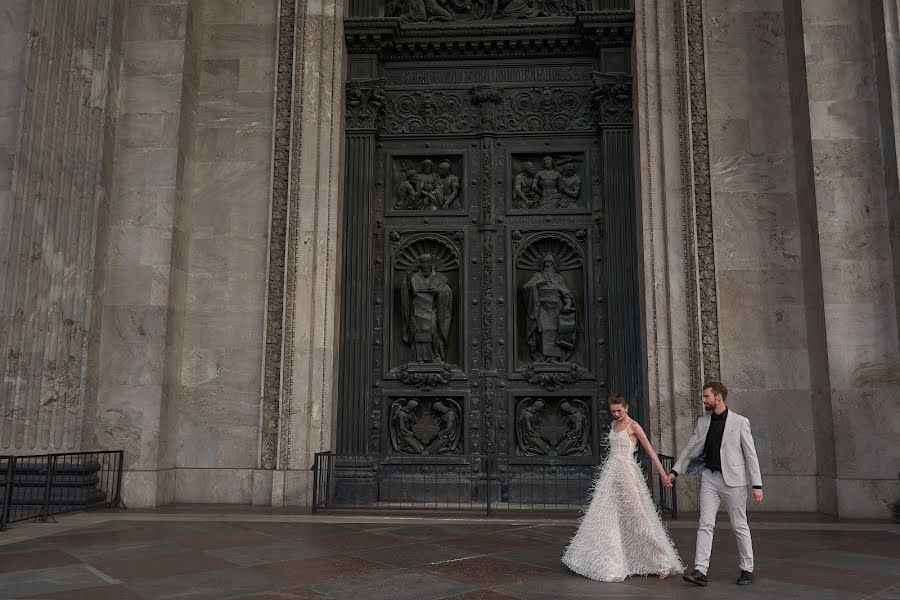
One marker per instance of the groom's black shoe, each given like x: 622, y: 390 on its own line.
x: 746, y: 578
x: 697, y: 578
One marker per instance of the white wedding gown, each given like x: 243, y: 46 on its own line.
x: 621, y: 533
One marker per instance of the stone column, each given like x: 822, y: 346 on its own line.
x: 14, y: 36
x: 58, y: 192
x: 854, y: 193
x: 306, y: 224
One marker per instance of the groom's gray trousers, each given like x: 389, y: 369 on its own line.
x: 713, y: 492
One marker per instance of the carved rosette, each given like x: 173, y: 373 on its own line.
x: 365, y: 103
x: 611, y: 96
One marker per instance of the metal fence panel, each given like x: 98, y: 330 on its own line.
x: 40, y: 486
x: 463, y: 483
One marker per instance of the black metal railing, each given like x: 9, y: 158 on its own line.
x: 40, y: 486
x: 464, y: 483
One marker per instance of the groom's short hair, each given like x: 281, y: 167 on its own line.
x: 717, y: 387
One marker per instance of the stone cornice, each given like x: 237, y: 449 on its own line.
x: 563, y: 36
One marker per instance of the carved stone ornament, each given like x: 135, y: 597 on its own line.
x: 365, y: 103
x: 426, y: 303
x: 427, y: 112
x: 549, y: 310
x: 426, y: 11
x: 487, y: 98
x: 611, y: 96
x: 425, y: 377
x: 419, y: 428
x: 553, y: 427
x: 426, y: 308
x: 553, y: 182
x: 551, y: 377
x: 425, y: 187
x: 545, y: 109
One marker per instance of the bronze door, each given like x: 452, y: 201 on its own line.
x: 490, y: 257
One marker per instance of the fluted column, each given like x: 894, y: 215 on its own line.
x: 58, y: 189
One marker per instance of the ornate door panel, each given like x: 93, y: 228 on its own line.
x: 490, y: 282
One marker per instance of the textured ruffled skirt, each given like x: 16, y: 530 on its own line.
x: 621, y: 533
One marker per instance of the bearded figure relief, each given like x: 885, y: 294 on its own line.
x: 427, y: 303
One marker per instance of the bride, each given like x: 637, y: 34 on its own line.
x: 621, y: 533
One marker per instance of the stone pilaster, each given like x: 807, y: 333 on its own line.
x: 129, y: 408
x: 666, y: 216
x: 217, y: 301
x: 855, y: 183
x: 306, y: 225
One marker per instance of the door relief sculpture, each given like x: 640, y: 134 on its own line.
x: 550, y: 267
x: 487, y: 243
x: 426, y: 272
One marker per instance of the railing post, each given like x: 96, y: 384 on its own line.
x: 329, y: 457
x: 120, y: 473
x: 8, y: 491
x: 315, y: 477
x: 488, y: 480
x: 51, y: 473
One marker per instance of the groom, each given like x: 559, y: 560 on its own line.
x: 721, y: 451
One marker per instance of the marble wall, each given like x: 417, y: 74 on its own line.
x: 855, y: 176
x: 180, y: 353
x: 134, y: 252
x: 804, y: 250
x: 220, y: 257
x: 762, y: 313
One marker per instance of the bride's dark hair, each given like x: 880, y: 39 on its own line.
x: 618, y: 399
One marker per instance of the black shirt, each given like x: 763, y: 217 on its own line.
x: 712, y: 447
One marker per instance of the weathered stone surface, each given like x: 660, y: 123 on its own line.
x: 52, y: 193
x: 804, y: 281
x: 132, y: 400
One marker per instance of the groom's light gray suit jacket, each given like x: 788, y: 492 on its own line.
x: 737, y: 452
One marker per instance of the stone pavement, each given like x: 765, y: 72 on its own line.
x: 253, y: 556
